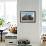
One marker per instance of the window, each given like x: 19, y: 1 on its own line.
x: 44, y: 10
x: 44, y: 16
x: 1, y: 8
x: 11, y: 11
x: 8, y: 11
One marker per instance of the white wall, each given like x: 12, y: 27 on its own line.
x: 29, y: 31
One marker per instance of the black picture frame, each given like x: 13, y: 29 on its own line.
x: 27, y: 16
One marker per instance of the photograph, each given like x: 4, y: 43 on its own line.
x: 28, y: 16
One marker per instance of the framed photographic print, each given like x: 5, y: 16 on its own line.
x: 28, y: 16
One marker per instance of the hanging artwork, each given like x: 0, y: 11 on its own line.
x: 28, y: 16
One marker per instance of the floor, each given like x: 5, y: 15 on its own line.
x: 2, y: 43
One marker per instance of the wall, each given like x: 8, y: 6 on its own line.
x: 30, y: 31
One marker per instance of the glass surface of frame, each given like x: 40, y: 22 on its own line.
x: 28, y: 16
